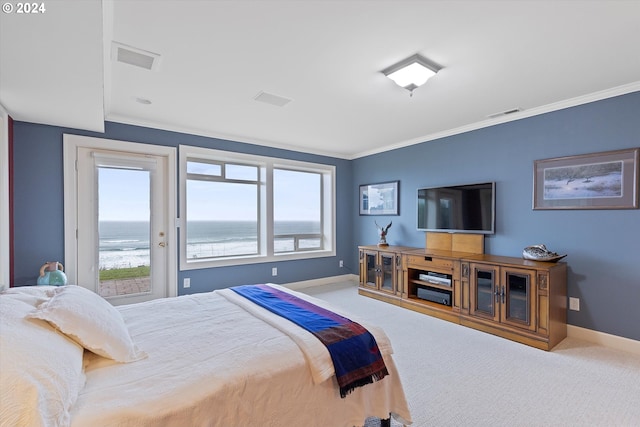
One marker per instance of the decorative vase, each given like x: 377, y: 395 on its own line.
x: 52, y: 273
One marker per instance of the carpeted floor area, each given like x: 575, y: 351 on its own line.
x: 457, y: 376
x: 375, y: 422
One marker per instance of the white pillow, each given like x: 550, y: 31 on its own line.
x: 40, y: 369
x: 91, y: 321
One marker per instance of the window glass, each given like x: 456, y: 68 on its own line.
x: 201, y: 168
x: 241, y: 172
x: 297, y: 210
x: 124, y: 231
x: 222, y: 219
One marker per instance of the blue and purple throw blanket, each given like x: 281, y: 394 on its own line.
x: 356, y: 358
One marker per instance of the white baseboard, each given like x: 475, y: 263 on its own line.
x: 323, y: 281
x: 604, y: 339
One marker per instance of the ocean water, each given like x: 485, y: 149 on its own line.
x: 123, y: 244
x: 126, y: 244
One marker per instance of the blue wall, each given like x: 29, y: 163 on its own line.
x: 603, y: 246
x: 38, y: 206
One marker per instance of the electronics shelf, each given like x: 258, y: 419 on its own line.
x: 452, y: 279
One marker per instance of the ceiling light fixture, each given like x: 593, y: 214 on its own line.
x: 412, y: 72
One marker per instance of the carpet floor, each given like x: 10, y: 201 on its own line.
x: 457, y: 376
x: 375, y: 422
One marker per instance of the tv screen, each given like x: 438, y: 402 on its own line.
x: 458, y: 208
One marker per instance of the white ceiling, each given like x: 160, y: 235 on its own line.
x: 326, y: 56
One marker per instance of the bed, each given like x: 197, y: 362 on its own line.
x: 213, y: 359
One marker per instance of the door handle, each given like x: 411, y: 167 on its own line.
x: 162, y: 244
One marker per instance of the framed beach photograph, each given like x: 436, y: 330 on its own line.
x: 379, y: 199
x: 606, y: 180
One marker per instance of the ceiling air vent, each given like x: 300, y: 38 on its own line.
x: 272, y: 99
x: 504, y: 113
x: 133, y: 56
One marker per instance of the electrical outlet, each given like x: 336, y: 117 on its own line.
x: 341, y: 263
x: 274, y: 271
x: 186, y: 283
x: 574, y: 304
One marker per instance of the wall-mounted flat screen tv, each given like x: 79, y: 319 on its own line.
x: 466, y: 208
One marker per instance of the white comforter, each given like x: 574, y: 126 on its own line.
x: 212, y: 363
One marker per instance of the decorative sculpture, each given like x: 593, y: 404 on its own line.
x: 382, y: 231
x: 540, y: 253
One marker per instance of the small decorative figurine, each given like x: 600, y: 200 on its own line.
x: 382, y: 231
x: 540, y: 253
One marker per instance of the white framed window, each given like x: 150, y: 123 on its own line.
x: 239, y: 208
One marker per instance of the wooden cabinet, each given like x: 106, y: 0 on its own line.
x: 381, y: 269
x: 503, y: 295
x: 522, y: 300
x: 518, y: 299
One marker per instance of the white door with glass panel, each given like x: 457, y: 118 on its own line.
x: 123, y: 230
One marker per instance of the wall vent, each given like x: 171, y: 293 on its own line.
x: 504, y: 113
x: 134, y: 56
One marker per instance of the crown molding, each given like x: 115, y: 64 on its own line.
x: 560, y: 105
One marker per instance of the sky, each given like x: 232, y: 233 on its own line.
x: 123, y: 194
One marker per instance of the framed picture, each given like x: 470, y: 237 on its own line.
x: 379, y: 199
x: 607, y: 180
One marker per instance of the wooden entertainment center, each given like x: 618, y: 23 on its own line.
x: 453, y: 279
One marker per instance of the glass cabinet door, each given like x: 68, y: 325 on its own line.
x: 388, y: 269
x: 371, y: 269
x: 484, y: 291
x: 518, y: 298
